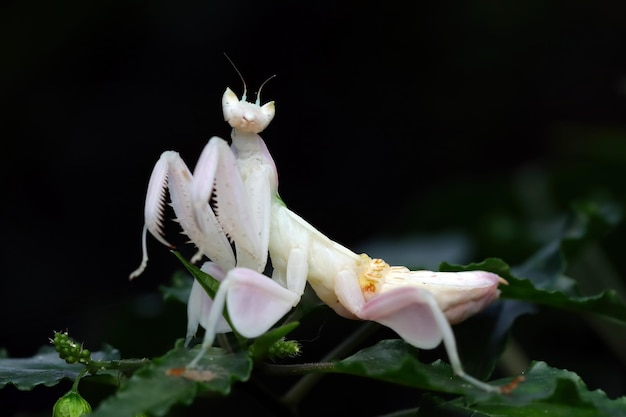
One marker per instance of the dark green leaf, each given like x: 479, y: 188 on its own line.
x: 157, y: 387
x: 549, y: 391
x: 45, y: 368
x: 435, y: 406
x: 545, y: 391
x: 541, y: 279
x: 585, y: 223
x: 396, y: 361
x: 606, y: 304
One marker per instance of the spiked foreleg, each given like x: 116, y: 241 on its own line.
x: 217, y: 171
x: 153, y: 210
x: 197, y: 221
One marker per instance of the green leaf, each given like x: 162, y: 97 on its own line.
x: 545, y: 391
x: 45, y: 368
x: 395, y: 361
x: 209, y: 283
x: 431, y: 405
x: 541, y: 279
x: 157, y: 387
x: 588, y: 220
x: 606, y: 304
x: 584, y: 224
x: 549, y: 391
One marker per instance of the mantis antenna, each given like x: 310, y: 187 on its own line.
x: 245, y: 88
x: 258, y: 94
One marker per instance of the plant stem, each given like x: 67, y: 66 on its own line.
x: 296, y: 369
x: 124, y: 365
x: 77, y: 380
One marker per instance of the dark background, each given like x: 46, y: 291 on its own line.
x: 470, y: 125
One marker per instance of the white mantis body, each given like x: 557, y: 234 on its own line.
x: 418, y: 305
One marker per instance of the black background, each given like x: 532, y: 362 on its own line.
x: 391, y: 118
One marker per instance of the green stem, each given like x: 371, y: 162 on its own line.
x: 77, y: 380
x: 124, y: 365
x: 297, y: 369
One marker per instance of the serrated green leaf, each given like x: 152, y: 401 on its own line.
x: 606, y: 304
x: 396, y: 361
x: 548, y: 391
x: 545, y: 390
x: 157, y: 387
x: 585, y: 223
x: 45, y: 368
x: 540, y: 279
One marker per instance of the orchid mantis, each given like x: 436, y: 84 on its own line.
x: 242, y: 182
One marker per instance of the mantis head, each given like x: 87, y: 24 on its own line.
x: 246, y: 116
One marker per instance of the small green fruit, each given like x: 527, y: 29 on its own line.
x: 71, y: 405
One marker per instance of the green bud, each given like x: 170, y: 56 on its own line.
x: 60, y: 336
x: 284, y: 349
x: 71, y: 405
x: 69, y: 350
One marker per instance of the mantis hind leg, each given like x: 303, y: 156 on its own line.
x: 414, y: 314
